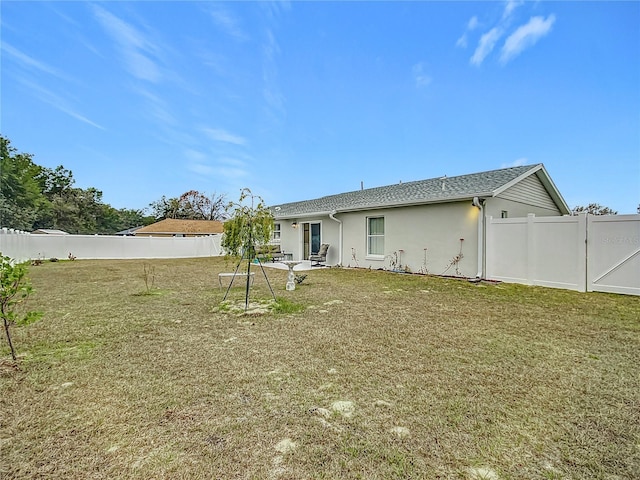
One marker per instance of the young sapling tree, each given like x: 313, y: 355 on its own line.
x: 14, y: 289
x: 251, y: 224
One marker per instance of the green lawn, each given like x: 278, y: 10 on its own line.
x: 379, y: 376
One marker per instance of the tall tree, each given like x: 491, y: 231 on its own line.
x: 56, y: 181
x: 191, y: 205
x: 34, y: 197
x: 57, y: 188
x: 198, y: 206
x: 111, y: 220
x: 21, y: 197
x: 165, y: 208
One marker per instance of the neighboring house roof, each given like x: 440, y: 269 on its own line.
x: 434, y: 190
x: 128, y: 231
x: 50, y: 231
x: 174, y: 226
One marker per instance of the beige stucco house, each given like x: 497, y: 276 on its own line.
x: 432, y: 226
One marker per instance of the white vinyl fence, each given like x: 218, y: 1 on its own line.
x: 23, y: 246
x: 584, y: 253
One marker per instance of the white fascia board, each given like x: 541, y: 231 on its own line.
x: 461, y: 198
x: 381, y: 206
x: 553, y: 191
x: 302, y: 215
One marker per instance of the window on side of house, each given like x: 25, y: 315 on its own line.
x: 276, y: 232
x: 375, y: 236
x: 504, y: 214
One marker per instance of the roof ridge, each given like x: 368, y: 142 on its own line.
x: 418, y: 192
x: 364, y: 191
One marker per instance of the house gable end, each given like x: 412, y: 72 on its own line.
x: 532, y: 192
x: 536, y: 188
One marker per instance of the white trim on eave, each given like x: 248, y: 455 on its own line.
x: 303, y: 215
x: 554, y: 192
x: 414, y: 203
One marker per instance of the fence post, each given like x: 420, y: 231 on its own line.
x: 531, y: 250
x: 583, y: 249
x: 488, y: 247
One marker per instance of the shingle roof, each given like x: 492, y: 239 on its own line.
x: 50, y: 231
x: 128, y: 231
x: 433, y: 190
x: 177, y: 226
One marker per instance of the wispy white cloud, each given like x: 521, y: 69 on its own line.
x: 142, y: 66
x: 208, y: 165
x: 78, y: 116
x: 230, y: 172
x: 220, y: 135
x: 195, y: 155
x: 526, y: 36
x: 216, y: 61
x: 135, y: 47
x: 516, y: 163
x: 485, y: 46
x: 232, y: 162
x: 274, y: 10
x: 421, y: 78
x: 472, y: 24
x: 29, y: 62
x: 57, y: 102
x: 157, y: 108
x: 201, y: 169
x: 226, y: 21
x: 271, y: 92
x: 217, y: 171
x: 510, y: 6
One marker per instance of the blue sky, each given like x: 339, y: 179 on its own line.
x: 303, y: 99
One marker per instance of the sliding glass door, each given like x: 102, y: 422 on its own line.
x: 310, y: 238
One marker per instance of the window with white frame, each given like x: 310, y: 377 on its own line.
x: 276, y: 232
x: 375, y: 236
x: 504, y: 214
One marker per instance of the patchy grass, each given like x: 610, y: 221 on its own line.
x: 355, y: 374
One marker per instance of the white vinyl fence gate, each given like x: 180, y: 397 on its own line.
x: 585, y: 253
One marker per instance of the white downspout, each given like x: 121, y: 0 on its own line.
x: 331, y: 216
x: 480, y: 204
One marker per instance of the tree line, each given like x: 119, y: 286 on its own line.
x: 33, y: 197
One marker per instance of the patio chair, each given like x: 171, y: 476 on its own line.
x: 319, y: 257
